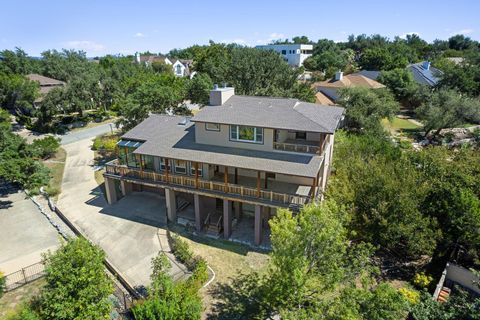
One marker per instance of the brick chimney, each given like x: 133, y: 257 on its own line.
x: 219, y: 96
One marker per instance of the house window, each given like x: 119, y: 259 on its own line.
x: 246, y: 134
x: 148, y: 162
x: 284, y: 51
x: 179, y: 69
x: 301, y: 135
x: 212, y: 126
x: 162, y: 164
x: 192, y: 169
x: 181, y: 166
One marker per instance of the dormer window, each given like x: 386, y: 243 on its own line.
x: 212, y: 126
x: 179, y: 69
x: 246, y: 134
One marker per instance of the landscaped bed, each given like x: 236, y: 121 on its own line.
x: 56, y: 164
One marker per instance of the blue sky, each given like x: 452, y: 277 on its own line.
x: 101, y: 27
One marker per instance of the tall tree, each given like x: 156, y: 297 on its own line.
x: 77, y: 284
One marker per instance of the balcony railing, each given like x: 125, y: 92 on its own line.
x: 114, y: 168
x: 303, y: 148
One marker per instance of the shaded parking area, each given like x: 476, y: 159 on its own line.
x: 24, y: 232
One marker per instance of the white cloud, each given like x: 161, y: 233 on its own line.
x: 239, y: 41
x: 85, y: 45
x: 463, y: 31
x: 139, y: 35
x: 404, y: 36
x: 272, y: 37
x: 276, y: 36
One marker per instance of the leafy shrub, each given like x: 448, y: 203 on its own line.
x: 2, y: 283
x: 405, y: 144
x: 182, y: 252
x: 476, y: 135
x: 106, y: 143
x: 412, y: 296
x: 422, y: 281
x: 46, y: 147
x: 200, y: 273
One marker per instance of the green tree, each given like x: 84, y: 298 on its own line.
x: 366, y: 107
x: 17, y: 163
x: 17, y: 92
x: 401, y: 83
x: 77, y: 284
x: 199, y: 87
x: 17, y: 62
x: 446, y: 109
x: 166, y: 299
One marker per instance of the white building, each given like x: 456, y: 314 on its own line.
x: 293, y: 54
x: 180, y: 67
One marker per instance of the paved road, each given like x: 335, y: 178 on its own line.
x: 85, y: 134
x: 127, y: 230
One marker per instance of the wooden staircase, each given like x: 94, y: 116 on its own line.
x: 213, y: 223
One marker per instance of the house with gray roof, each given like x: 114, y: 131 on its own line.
x: 234, y: 163
x: 424, y: 73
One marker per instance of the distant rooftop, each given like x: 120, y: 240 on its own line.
x: 44, y: 81
x: 425, y: 74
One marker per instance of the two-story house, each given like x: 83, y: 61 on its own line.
x: 238, y: 155
x: 293, y: 54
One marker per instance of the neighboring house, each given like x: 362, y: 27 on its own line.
x: 293, y: 54
x: 231, y: 165
x: 329, y: 88
x: 424, y: 73
x: 456, y: 275
x: 180, y: 67
x: 46, y: 85
x: 370, y: 74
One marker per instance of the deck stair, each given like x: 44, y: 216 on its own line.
x: 444, y: 294
x: 213, y: 223
x: 182, y: 204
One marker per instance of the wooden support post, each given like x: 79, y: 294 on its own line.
x: 196, y: 175
x: 258, y: 184
x: 225, y: 178
x: 314, y: 185
x: 166, y: 168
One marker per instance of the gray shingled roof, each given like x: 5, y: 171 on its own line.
x: 164, y: 137
x: 276, y: 113
x: 424, y: 76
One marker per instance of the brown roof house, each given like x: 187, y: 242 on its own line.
x: 227, y: 170
x: 329, y: 88
x: 46, y: 85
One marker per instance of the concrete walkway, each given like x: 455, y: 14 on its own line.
x: 129, y: 242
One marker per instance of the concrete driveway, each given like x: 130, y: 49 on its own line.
x: 25, y: 233
x: 127, y: 231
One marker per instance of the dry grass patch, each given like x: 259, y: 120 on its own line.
x: 12, y: 300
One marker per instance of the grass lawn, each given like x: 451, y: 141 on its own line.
x: 227, y: 259
x: 399, y: 124
x: 56, y: 164
x: 12, y: 300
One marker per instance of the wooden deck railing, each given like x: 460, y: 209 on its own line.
x: 114, y: 168
x: 293, y: 147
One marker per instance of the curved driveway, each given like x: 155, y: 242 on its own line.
x: 129, y: 243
